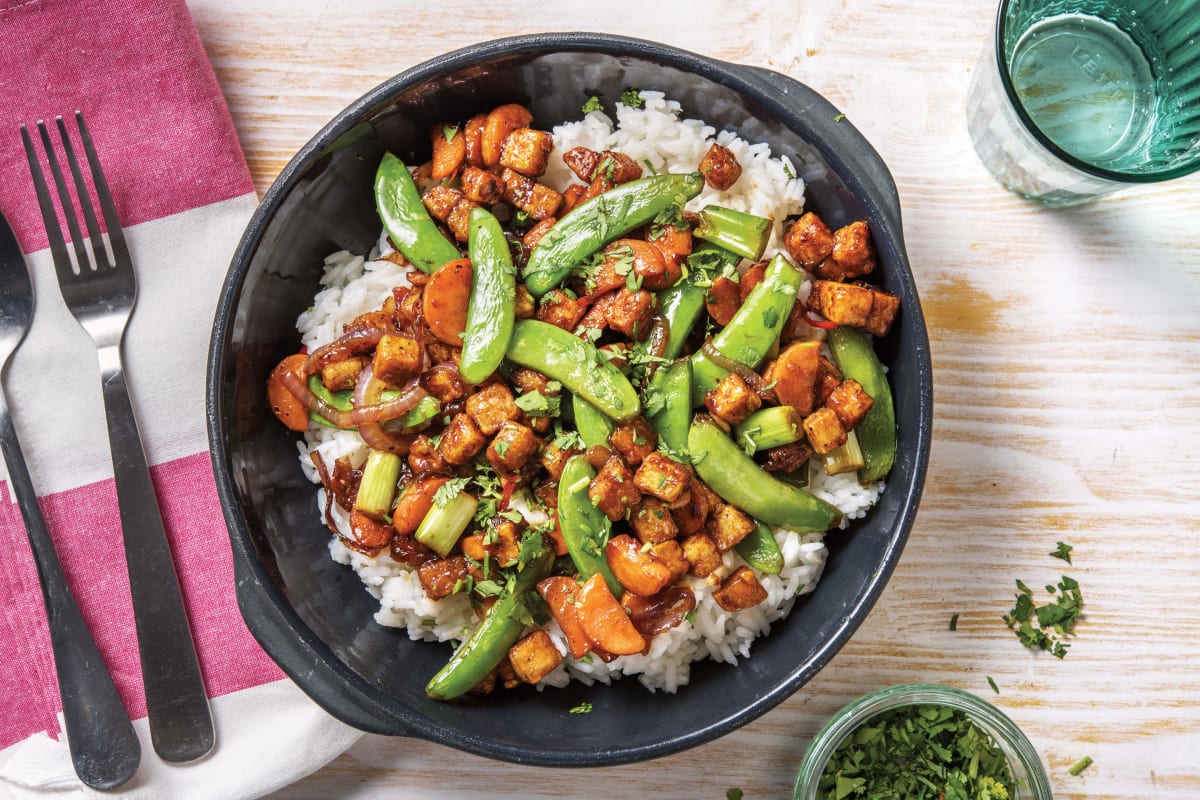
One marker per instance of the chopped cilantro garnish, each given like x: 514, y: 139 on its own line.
x: 1042, y: 627
x: 787, y: 169
x: 992, y: 683
x: 449, y: 490
x: 839, y: 118
x: 769, y: 317
x: 536, y: 404
x: 593, y: 104
x: 582, y: 708
x: 954, y: 622
x: 733, y: 794
x: 632, y: 98
x: 449, y: 131
x: 1063, y: 551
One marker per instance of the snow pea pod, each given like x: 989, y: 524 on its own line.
x: 490, y: 313
x: 593, y: 426
x: 589, y: 226
x: 753, y: 329
x: 855, y: 357
x: 760, y: 550
x: 737, y: 479
x: 405, y: 219
x: 672, y: 421
x: 683, y: 303
x: 576, y: 364
x: 490, y: 641
x: 584, y: 527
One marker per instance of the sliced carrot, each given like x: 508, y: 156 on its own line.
x: 448, y: 152
x: 722, y: 300
x: 502, y: 121
x: 751, y: 278
x: 445, y: 300
x: 415, y: 502
x: 794, y: 374
x: 639, y: 572
x: 560, y: 593
x: 369, y: 534
x: 290, y: 411
x: 605, y: 621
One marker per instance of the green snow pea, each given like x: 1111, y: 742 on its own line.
x: 753, y: 329
x: 584, y: 527
x: 490, y: 313
x: 672, y: 421
x: 855, y: 357
x: 734, y: 476
x: 488, y: 644
x: 593, y: 426
x: 405, y: 219
x: 589, y: 226
x: 760, y: 550
x: 682, y: 303
x: 576, y: 364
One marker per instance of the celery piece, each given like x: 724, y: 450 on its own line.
x: 442, y: 526
x: 377, y: 489
x: 847, y: 458
x: 736, y: 231
x: 767, y: 428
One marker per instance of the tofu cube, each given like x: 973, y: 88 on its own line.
x: 502, y: 539
x: 653, y: 523
x: 809, y: 241
x: 459, y: 221
x: 446, y: 385
x: 728, y: 525
x: 534, y: 657
x: 582, y: 161
x: 850, y: 402
x: 342, y: 375
x: 662, y: 477
x: 883, y: 312
x: 824, y: 430
x: 553, y: 458
x: 440, y: 577
x: 491, y: 407
x: 424, y: 458
x: 530, y: 380
x: 852, y: 251
x: 720, y: 167
x: 670, y: 554
x: 537, y: 200
x: 631, y: 312
x: 740, y: 590
x: 829, y: 377
x: 524, y: 307
x: 702, y: 554
x: 612, y: 490
x: 512, y: 447
x: 526, y: 151
x: 461, y: 440
x: 841, y: 303
x: 481, y: 186
x: 440, y: 200
x: 397, y: 359
x: 560, y: 309
x: 732, y: 401
x: 616, y: 167
x: 634, y: 440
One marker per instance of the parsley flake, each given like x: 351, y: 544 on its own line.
x: 632, y: 98
x: 992, y: 683
x: 582, y: 708
x: 593, y: 104
x: 1063, y: 551
x: 449, y: 131
x: 448, y: 491
x: 954, y: 622
x: 733, y: 794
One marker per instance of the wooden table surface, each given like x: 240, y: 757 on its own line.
x: 1065, y: 348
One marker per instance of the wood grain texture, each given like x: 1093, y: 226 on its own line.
x: 1065, y: 347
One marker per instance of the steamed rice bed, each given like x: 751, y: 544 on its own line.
x: 655, y: 137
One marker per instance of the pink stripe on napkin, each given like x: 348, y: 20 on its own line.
x: 95, y: 565
x: 138, y: 72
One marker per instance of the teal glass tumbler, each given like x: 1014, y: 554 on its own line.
x: 1073, y: 99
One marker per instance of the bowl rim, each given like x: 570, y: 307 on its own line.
x: 769, y: 89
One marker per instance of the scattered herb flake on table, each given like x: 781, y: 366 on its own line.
x: 918, y: 752
x: 582, y: 708
x: 1063, y: 551
x: 733, y: 794
x: 1043, y: 627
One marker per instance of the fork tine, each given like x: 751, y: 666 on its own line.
x: 64, y: 198
x: 85, y: 199
x: 58, y: 246
x: 116, y: 236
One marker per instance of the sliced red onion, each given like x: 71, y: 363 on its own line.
x: 661, y: 612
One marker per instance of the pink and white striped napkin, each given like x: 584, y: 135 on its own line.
x: 137, y: 70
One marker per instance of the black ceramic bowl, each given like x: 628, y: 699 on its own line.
x: 314, y: 617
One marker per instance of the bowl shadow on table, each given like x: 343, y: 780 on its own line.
x: 308, y: 610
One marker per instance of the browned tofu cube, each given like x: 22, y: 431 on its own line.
x: 535, y: 234
x: 720, y: 167
x: 474, y: 549
x: 461, y: 440
x: 523, y: 306
x: 424, y: 458
x: 444, y: 384
x: 560, y: 309
x: 631, y: 312
x: 459, y: 221
x: 553, y: 458
x: 670, y: 554
x: 634, y: 440
x: 841, y: 303
x: 612, y: 490
x: 535, y: 199
x: 534, y: 657
x: 481, y: 186
x: 442, y: 577
x: 702, y: 554
x: 883, y: 312
x: 512, y: 447
x: 652, y: 522
x: 527, y: 151
x: 740, y: 590
x: 808, y: 241
x: 850, y: 402
x: 342, y: 375
x: 502, y: 539
x: 828, y: 378
x: 852, y: 252
x: 728, y: 525
x: 691, y: 510
x: 617, y: 167
x: 732, y: 401
x: 397, y: 359
x: 824, y: 430
x: 525, y: 380
x: 662, y: 477
x: 491, y: 407
x: 787, y: 457
x: 582, y: 161
x: 440, y: 200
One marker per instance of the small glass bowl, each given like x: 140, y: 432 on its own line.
x: 1026, y: 765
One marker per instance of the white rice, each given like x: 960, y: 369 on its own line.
x: 354, y: 284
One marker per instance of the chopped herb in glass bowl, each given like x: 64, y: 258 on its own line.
x: 918, y: 742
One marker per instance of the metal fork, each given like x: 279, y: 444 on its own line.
x: 101, y: 294
x: 104, y: 747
